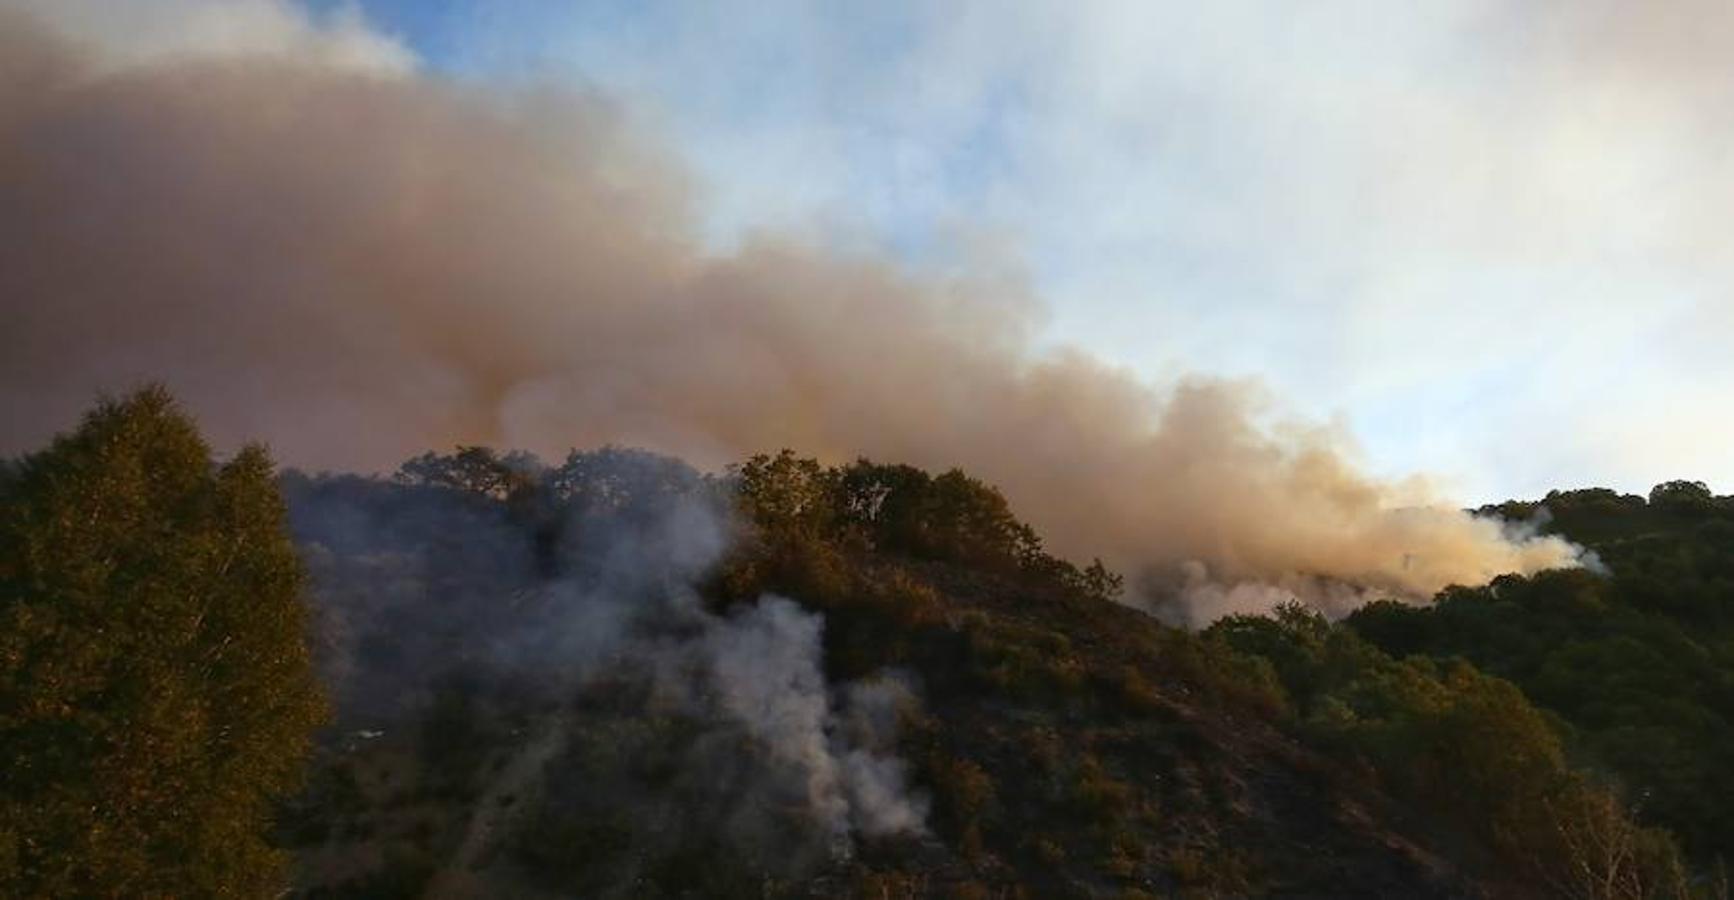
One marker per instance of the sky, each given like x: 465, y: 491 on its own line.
x: 1487, y: 239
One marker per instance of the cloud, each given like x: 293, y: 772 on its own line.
x: 356, y: 269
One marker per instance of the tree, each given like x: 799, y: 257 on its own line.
x: 788, y: 495
x: 614, y: 479
x: 476, y: 470
x: 156, y: 692
x: 1682, y: 495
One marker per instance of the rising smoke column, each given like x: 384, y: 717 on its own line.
x: 412, y: 586
x: 355, y: 262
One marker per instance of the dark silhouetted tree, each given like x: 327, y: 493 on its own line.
x: 1682, y: 495
x: 477, y: 470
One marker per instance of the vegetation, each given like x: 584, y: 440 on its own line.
x: 1465, y: 745
x: 903, y: 511
x: 523, y: 661
x: 1068, y: 745
x: 1637, y: 663
x: 155, y: 688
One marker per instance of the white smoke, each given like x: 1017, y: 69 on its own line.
x: 1194, y: 596
x: 445, y: 580
x: 875, y: 777
x: 765, y: 668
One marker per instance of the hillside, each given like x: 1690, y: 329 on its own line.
x: 619, y: 677
x: 1637, y: 662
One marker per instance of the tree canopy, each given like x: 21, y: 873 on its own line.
x: 155, y: 688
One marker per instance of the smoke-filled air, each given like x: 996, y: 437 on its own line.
x: 355, y: 263
x: 774, y: 762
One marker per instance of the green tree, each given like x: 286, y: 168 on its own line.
x: 789, y: 495
x: 156, y: 693
x: 1682, y: 495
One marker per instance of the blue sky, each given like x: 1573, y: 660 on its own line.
x: 1486, y: 238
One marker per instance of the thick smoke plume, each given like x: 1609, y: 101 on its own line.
x: 356, y: 263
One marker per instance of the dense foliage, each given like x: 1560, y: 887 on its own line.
x: 155, y: 688
x: 617, y: 676
x: 1467, y: 746
x: 1061, y: 744
x: 1638, y: 663
x: 1068, y: 745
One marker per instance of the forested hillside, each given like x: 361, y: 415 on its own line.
x: 1637, y: 662
x: 620, y: 676
x: 1026, y: 734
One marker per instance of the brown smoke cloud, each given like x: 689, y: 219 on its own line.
x: 356, y: 266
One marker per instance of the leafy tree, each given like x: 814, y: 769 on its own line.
x: 950, y: 516
x: 155, y: 688
x: 788, y: 495
x: 1682, y: 495
x: 477, y: 470
x: 613, y: 479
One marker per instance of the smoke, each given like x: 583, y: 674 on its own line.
x: 414, y: 586
x: 136, y: 33
x: 765, y: 664
x: 874, y: 776
x: 356, y: 263
x: 1190, y: 594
